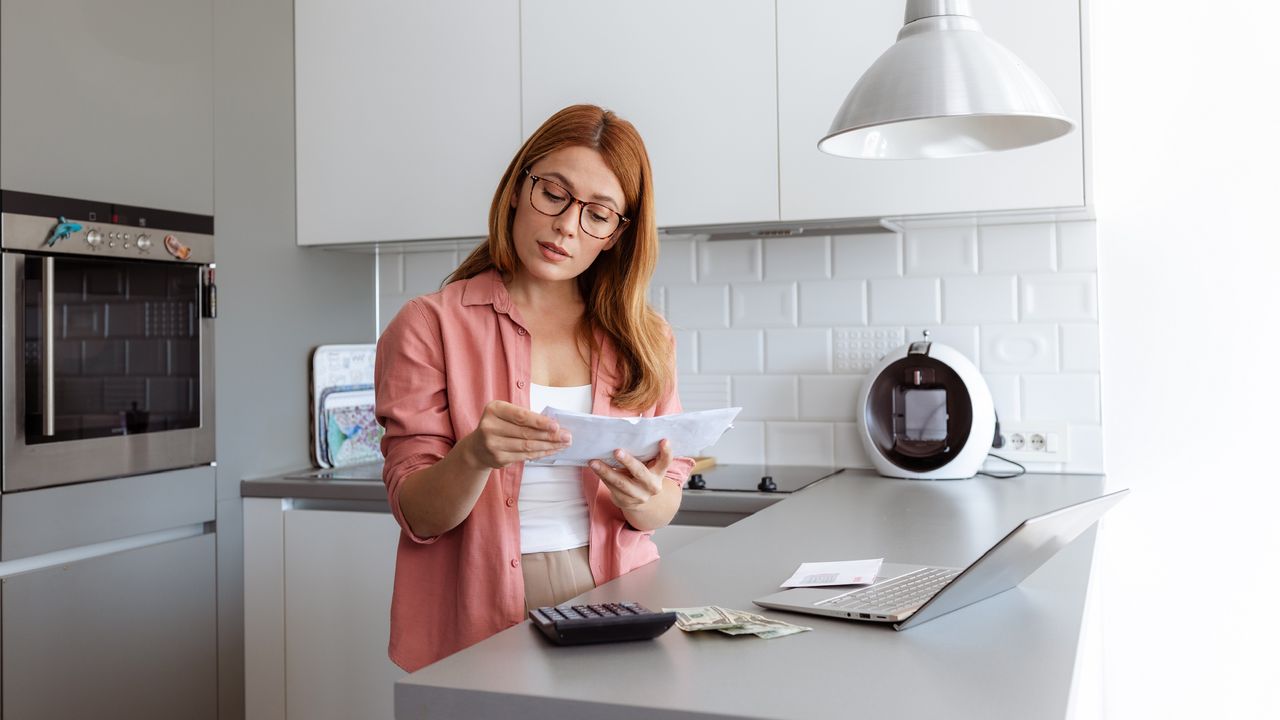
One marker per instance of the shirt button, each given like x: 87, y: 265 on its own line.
x: 511, y: 502
x: 520, y: 384
x: 520, y: 331
x: 515, y: 562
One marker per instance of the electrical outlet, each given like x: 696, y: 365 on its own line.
x: 1034, y: 442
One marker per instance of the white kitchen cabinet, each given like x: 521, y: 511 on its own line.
x: 407, y: 113
x: 697, y: 79
x: 823, y: 48
x: 317, y: 612
x: 110, y: 102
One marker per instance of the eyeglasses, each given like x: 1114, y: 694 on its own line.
x: 550, y: 198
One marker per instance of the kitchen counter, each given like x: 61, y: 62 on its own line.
x: 1011, y: 656
x: 361, y: 486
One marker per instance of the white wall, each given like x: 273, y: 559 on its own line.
x: 1187, y: 152
x: 787, y: 328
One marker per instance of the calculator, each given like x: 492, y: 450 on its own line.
x: 605, y: 622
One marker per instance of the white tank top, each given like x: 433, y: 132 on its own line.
x: 553, y: 512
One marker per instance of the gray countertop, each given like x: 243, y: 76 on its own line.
x: 363, y: 483
x: 1010, y: 656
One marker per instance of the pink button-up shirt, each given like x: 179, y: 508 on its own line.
x: 443, y: 357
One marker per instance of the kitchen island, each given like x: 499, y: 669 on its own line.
x: 1011, y: 656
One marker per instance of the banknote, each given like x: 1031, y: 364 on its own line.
x: 732, y: 622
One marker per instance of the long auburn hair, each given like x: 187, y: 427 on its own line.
x: 614, y: 288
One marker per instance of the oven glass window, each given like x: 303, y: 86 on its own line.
x: 126, y: 348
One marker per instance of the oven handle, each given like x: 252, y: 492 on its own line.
x: 47, y: 371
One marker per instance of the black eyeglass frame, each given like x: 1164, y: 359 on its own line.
x: 623, y: 220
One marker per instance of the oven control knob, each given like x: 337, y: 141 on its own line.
x: 93, y: 237
x: 696, y: 482
x: 767, y: 484
x: 143, y: 242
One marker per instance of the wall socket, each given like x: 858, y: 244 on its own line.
x: 1034, y: 441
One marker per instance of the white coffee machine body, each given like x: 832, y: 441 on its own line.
x: 925, y: 412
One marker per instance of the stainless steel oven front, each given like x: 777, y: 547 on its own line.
x: 108, y: 315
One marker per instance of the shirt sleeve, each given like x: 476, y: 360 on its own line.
x: 669, y: 404
x: 411, y: 401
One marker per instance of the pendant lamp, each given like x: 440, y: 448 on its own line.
x: 944, y: 89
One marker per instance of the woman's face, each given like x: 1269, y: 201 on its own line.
x: 553, y: 248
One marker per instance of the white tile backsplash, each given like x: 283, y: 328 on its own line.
x: 1071, y: 397
x: 1080, y: 348
x: 757, y: 322
x: 850, y: 450
x: 765, y: 397
x: 676, y: 264
x: 1006, y: 393
x: 764, y: 305
x: 944, y: 250
x: 905, y: 301
x: 1059, y: 297
x: 800, y: 443
x: 829, y: 397
x: 731, y: 351
x: 867, y: 255
x: 697, y: 306
x: 729, y: 261
x: 1017, y: 248
x: 424, y: 271
x: 833, y: 302
x: 1019, y: 348
x: 980, y: 299
x: 797, y: 258
x: 805, y: 350
x: 743, y: 443
x: 704, y: 392
x: 1077, y: 246
x: 686, y: 352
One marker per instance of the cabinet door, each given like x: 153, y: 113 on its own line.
x: 127, y: 635
x: 407, y: 114
x: 108, y: 101
x: 697, y: 79
x: 339, y: 567
x: 823, y: 48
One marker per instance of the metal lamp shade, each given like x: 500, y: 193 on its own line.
x: 944, y: 89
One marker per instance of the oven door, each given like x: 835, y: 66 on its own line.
x: 110, y: 374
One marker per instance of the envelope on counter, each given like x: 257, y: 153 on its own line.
x: 595, y: 437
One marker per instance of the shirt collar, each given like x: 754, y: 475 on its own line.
x: 487, y: 288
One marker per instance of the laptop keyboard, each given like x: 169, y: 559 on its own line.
x: 900, y: 594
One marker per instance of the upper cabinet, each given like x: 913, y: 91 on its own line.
x: 111, y: 102
x: 823, y: 48
x: 407, y: 114
x: 697, y: 79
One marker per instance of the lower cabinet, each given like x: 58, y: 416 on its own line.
x: 317, y: 606
x: 131, y: 634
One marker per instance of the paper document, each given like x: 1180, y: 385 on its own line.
x: 843, y: 572
x: 595, y: 437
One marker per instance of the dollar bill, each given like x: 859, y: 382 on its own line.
x: 702, y: 618
x: 732, y: 622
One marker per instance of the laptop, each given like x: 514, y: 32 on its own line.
x: 908, y: 595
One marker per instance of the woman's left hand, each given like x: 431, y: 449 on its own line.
x: 635, y: 483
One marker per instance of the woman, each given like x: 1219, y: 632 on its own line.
x: 550, y: 310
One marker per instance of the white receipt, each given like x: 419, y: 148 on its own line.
x: 595, y: 437
x: 843, y: 572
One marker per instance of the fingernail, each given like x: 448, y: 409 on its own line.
x: 621, y: 454
x: 565, y: 437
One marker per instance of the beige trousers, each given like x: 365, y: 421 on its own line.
x: 550, y: 578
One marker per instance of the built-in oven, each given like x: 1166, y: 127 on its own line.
x: 108, y: 316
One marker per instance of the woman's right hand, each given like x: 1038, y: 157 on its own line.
x: 509, y: 433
